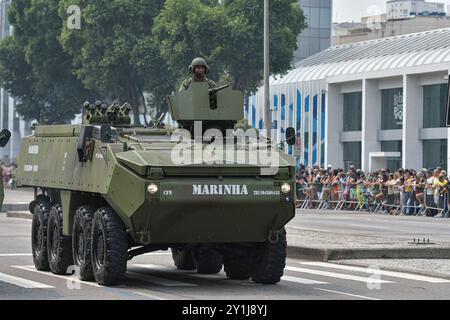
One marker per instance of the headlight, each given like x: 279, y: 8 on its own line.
x: 152, y: 189
x: 286, y: 188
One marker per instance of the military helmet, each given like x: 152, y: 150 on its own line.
x: 198, y: 62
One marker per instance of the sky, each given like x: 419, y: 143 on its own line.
x: 351, y: 10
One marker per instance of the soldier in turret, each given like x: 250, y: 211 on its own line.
x: 199, y: 70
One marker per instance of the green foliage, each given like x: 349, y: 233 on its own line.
x: 230, y: 37
x: 137, y: 50
x: 115, y: 53
x: 33, y: 66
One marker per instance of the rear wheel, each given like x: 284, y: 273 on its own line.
x: 208, y: 261
x: 39, y: 236
x: 270, y: 260
x: 109, y: 247
x: 81, y: 242
x: 183, y: 259
x: 59, y: 247
x: 237, y: 267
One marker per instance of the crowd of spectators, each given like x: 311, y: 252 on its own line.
x: 403, y: 192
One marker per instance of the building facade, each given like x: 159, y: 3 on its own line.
x: 370, y: 29
x: 404, y: 9
x: 317, y: 36
x: 9, y: 119
x: 372, y: 104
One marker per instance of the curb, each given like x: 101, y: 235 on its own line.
x: 21, y: 215
x: 321, y: 254
x: 7, y: 207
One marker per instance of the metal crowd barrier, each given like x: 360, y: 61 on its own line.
x: 309, y: 203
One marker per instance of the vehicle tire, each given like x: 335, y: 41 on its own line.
x: 109, y: 247
x: 237, y: 267
x: 59, y: 247
x: 81, y: 242
x: 270, y: 261
x: 208, y: 261
x: 183, y: 259
x: 39, y: 236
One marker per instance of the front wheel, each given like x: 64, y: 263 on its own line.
x: 39, y: 236
x: 270, y: 260
x: 109, y: 247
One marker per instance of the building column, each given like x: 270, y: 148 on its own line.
x: 371, y: 121
x: 334, y: 124
x: 412, y: 155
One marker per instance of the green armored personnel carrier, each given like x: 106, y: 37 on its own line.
x: 107, y: 191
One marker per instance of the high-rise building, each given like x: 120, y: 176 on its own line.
x: 317, y: 36
x: 9, y: 119
x: 403, y: 9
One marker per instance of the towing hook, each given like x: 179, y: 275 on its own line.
x: 274, y: 236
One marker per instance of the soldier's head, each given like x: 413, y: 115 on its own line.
x: 199, y: 68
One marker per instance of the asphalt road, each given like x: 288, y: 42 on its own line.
x: 153, y: 277
x: 404, y: 227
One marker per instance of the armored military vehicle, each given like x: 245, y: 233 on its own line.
x: 107, y: 191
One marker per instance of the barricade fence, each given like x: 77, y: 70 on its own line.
x: 309, y: 199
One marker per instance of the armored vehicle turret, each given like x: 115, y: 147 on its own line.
x: 107, y: 191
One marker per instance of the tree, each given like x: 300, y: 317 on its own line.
x: 33, y: 66
x: 229, y: 36
x: 114, y: 52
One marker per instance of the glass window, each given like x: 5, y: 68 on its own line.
x: 392, y: 109
x: 325, y: 17
x: 392, y: 164
x: 435, y: 154
x: 434, y: 105
x: 353, y: 111
x: 352, y: 154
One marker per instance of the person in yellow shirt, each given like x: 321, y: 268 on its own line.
x: 440, y: 190
x: 407, y: 193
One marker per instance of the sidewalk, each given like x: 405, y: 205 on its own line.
x: 17, y: 200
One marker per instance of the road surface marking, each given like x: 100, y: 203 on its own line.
x: 157, y: 280
x: 157, y: 254
x: 367, y: 280
x: 24, y: 283
x: 185, y: 272
x: 346, y: 294
x: 366, y: 226
x: 16, y: 254
x: 310, y: 229
x: 71, y: 278
x: 301, y: 280
x: 394, y: 274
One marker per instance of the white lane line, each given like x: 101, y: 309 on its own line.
x: 367, y: 280
x: 157, y: 280
x: 366, y: 226
x: 378, y: 271
x: 301, y: 280
x: 347, y: 294
x: 16, y: 254
x: 186, y: 272
x: 24, y: 283
x: 152, y: 266
x: 157, y: 254
x: 70, y: 278
x: 310, y: 229
x: 147, y: 295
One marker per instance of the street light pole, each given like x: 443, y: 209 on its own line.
x: 267, y: 111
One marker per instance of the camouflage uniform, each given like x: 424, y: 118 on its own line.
x: 195, y: 63
x: 186, y: 83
